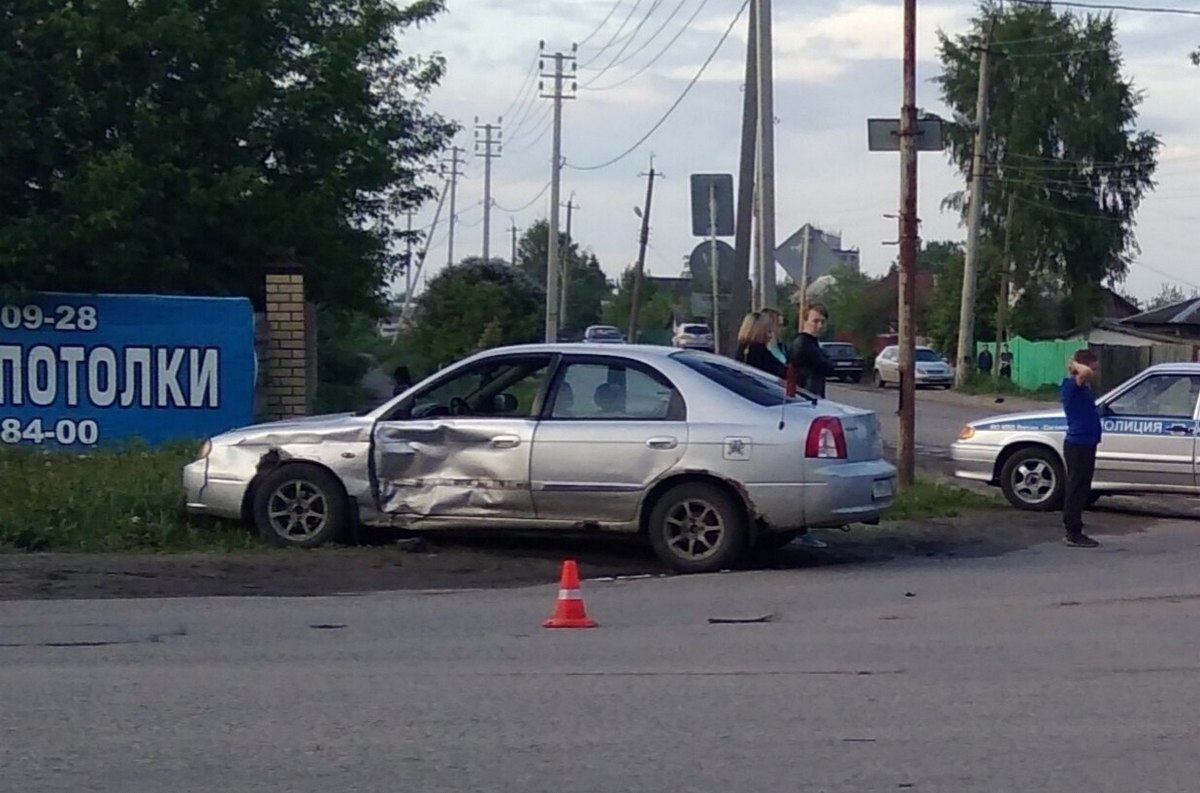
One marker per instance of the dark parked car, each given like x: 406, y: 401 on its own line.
x: 848, y: 363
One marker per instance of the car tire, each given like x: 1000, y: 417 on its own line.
x: 1034, y: 479
x: 301, y: 506
x: 676, y: 527
x: 856, y: 378
x: 879, y: 382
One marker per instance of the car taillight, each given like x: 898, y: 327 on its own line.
x: 826, y: 439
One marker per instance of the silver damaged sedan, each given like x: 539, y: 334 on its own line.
x: 700, y: 453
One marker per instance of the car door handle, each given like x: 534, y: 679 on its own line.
x: 1180, y: 429
x: 663, y: 442
x: 506, y: 442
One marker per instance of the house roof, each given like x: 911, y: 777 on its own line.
x: 1186, y: 312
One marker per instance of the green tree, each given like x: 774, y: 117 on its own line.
x: 587, y: 288
x: 475, y: 304
x: 178, y: 146
x: 1062, y: 147
x: 1168, y: 294
x: 656, y: 308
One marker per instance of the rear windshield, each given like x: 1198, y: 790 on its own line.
x: 745, y: 381
x: 695, y: 329
x: 928, y: 356
x: 604, y: 333
x: 840, y: 350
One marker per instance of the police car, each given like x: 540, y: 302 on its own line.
x: 1149, y: 445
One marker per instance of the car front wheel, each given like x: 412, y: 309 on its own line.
x: 300, y: 506
x: 1034, y: 479
x: 879, y: 383
x: 697, y: 528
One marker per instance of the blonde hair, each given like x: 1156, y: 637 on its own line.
x: 747, y: 328
x: 762, y: 330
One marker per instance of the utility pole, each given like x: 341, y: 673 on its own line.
x: 643, y: 240
x: 804, y: 271
x: 488, y: 148
x: 766, y: 154
x: 558, y: 93
x: 565, y: 259
x: 1005, y: 286
x: 966, y: 316
x: 905, y: 451
x: 452, y: 176
x: 740, y: 295
x: 512, y: 229
x: 408, y: 255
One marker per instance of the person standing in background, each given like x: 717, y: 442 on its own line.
x: 754, y: 345
x: 807, y: 359
x: 776, y: 345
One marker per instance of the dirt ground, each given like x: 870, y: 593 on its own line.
x: 464, y: 561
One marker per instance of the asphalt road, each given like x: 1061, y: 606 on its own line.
x: 1045, y: 669
x: 938, y: 419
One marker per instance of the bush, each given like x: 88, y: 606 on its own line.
x: 128, y: 499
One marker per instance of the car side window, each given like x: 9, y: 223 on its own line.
x: 498, y: 388
x: 1160, y: 396
x: 610, y: 391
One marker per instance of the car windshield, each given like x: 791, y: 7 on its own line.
x: 696, y: 329
x: 745, y: 381
x: 604, y: 333
x: 928, y: 356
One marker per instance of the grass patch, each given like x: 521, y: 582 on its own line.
x: 983, y: 385
x: 926, y: 500
x: 127, y: 499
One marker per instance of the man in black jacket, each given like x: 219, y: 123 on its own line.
x: 809, y: 361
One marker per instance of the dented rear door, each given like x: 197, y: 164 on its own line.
x: 454, y: 467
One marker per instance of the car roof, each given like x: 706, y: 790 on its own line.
x: 1179, y: 367
x: 640, y: 351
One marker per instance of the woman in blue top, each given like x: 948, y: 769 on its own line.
x: 1079, y: 447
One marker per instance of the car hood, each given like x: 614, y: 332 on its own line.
x: 297, y: 430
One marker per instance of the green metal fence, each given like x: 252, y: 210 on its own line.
x: 1036, y: 363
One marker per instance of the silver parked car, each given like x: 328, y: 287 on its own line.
x: 704, y: 455
x: 603, y: 334
x: 1149, y: 445
x: 931, y: 368
x: 693, y: 336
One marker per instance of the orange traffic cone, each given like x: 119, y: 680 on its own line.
x: 570, y: 611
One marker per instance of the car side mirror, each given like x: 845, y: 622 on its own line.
x: 504, y: 404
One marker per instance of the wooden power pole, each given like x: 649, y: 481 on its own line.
x: 643, y: 240
x: 909, y: 235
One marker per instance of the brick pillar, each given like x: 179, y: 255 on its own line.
x: 287, y: 366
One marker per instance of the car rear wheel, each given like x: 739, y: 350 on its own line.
x: 856, y: 377
x: 300, y: 506
x: 1033, y: 479
x: 697, y: 528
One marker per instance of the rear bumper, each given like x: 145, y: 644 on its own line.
x: 834, y: 494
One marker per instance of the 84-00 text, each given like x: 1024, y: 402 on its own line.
x: 66, y: 432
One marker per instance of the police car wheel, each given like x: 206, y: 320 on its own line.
x: 1033, y: 479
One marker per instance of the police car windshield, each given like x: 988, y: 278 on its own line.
x: 928, y: 356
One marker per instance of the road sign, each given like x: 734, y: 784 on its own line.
x: 702, y: 184
x: 883, y: 134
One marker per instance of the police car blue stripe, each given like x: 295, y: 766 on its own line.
x: 1122, y: 426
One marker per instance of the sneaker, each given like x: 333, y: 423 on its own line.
x: 809, y: 541
x: 1080, y: 540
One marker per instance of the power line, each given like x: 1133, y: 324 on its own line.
x: 1191, y: 12
x: 526, y: 85
x: 674, y: 13
x: 540, y: 123
x: 525, y: 206
x: 612, y: 39
x: 526, y: 147
x: 686, y: 26
x: 632, y: 37
x: 603, y: 22
x: 675, y: 104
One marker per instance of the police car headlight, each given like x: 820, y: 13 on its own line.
x: 204, y: 451
x: 966, y: 433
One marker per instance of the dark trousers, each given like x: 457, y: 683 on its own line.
x: 1081, y: 464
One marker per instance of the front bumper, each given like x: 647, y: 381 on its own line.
x: 974, y: 461
x: 214, y: 496
x: 935, y: 379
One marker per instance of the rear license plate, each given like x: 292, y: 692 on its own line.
x: 882, y: 488
x: 845, y: 363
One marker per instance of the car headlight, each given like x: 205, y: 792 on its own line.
x: 205, y: 450
x: 966, y: 433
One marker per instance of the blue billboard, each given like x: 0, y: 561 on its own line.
x: 82, y: 370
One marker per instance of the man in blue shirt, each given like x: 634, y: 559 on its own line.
x: 1079, y: 447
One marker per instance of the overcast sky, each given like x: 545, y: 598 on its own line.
x: 836, y: 64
